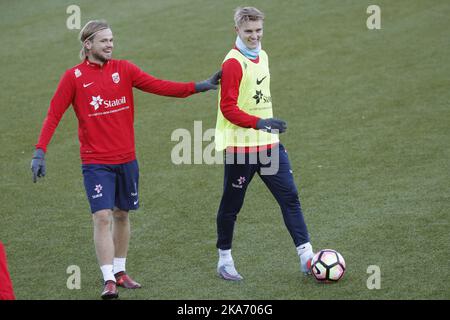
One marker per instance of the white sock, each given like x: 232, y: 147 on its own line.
x: 305, y: 249
x: 225, y: 256
x: 119, y: 264
x: 107, y: 271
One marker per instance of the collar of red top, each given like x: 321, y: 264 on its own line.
x: 94, y: 64
x: 252, y: 60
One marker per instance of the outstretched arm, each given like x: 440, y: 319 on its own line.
x: 148, y: 83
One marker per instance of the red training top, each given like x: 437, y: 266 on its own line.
x: 6, y: 288
x: 102, y: 97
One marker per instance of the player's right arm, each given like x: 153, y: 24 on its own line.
x: 231, y: 80
x: 61, y: 100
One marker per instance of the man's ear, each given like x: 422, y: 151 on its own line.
x: 88, y: 44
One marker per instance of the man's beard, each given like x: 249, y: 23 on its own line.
x: 100, y: 57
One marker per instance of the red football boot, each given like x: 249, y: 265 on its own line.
x: 125, y: 281
x: 110, y: 290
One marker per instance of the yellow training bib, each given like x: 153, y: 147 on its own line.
x: 254, y: 98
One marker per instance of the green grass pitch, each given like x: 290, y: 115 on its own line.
x: 369, y: 141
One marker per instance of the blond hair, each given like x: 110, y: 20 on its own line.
x: 243, y: 14
x: 88, y: 32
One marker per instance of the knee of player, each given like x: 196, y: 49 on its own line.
x: 291, y: 198
x: 120, y: 216
x: 102, y: 218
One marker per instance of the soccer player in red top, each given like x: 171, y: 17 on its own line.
x: 100, y: 90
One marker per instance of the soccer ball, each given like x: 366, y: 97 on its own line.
x: 328, y: 265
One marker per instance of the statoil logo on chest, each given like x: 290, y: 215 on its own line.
x: 97, y: 101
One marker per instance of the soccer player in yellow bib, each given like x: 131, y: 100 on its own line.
x: 248, y: 133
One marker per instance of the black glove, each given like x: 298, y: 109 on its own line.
x: 38, y: 164
x: 210, y: 83
x: 271, y: 124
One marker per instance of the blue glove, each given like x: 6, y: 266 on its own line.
x: 271, y: 124
x: 38, y: 164
x: 210, y: 83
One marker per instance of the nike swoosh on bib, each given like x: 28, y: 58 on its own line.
x: 258, y: 82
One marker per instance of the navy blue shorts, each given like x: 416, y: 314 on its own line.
x: 110, y: 186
